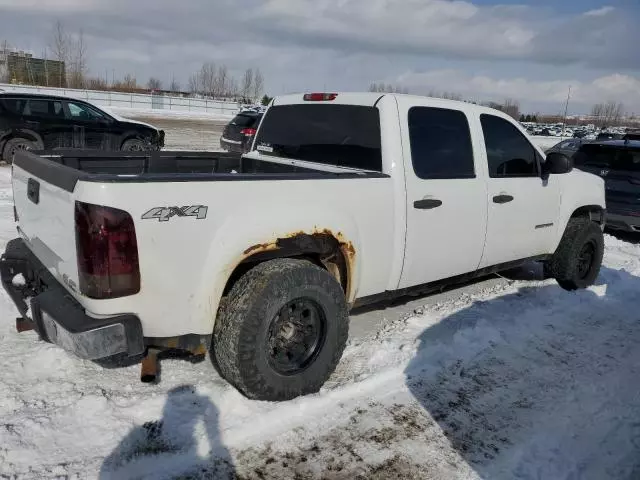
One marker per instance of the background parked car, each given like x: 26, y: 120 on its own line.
x: 239, y: 133
x: 618, y: 163
x: 43, y: 122
x: 567, y: 147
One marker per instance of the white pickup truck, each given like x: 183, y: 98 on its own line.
x: 345, y: 199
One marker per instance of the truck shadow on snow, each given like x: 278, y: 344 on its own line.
x: 541, y: 383
x: 172, y: 446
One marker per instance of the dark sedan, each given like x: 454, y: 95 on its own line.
x: 44, y: 122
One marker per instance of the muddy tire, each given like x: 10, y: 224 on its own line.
x: 134, y: 145
x: 281, y: 331
x: 577, y: 261
x: 14, y: 145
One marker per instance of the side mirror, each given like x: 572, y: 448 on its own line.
x: 556, y: 163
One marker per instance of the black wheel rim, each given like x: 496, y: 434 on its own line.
x: 585, y: 259
x: 295, y: 337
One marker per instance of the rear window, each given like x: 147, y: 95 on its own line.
x: 342, y: 135
x: 610, y: 157
x: 245, y: 120
x: 14, y: 105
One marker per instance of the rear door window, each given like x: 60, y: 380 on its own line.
x: 440, y: 143
x: 342, y: 135
x: 38, y: 108
x: 14, y: 105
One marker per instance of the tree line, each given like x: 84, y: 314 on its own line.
x: 216, y: 82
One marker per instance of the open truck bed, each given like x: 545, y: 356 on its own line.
x: 64, y: 168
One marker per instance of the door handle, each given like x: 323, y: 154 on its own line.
x: 502, y: 199
x: 427, y: 203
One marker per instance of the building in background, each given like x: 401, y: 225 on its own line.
x: 23, y: 68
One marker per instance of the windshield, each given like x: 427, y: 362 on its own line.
x: 342, y: 135
x: 611, y: 157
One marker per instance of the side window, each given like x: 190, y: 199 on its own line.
x: 440, y: 143
x: 14, y: 105
x: 37, y: 108
x: 80, y: 111
x: 509, y: 153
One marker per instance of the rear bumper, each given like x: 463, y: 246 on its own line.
x: 56, y: 315
x: 625, y: 222
x: 233, y: 146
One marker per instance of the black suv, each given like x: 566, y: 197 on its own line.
x: 238, y: 135
x: 618, y: 162
x: 43, y: 122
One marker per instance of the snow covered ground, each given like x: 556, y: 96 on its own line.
x: 161, y: 114
x: 505, y: 378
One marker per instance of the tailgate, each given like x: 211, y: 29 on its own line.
x: 46, y: 222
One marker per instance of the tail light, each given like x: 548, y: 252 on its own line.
x: 107, y: 252
x: 248, y: 131
x: 319, y: 97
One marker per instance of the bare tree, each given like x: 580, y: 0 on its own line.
x: 608, y: 114
x: 246, y: 89
x: 96, y: 83
x: 512, y: 108
x: 78, y: 60
x: 5, y: 75
x: 195, y: 86
x: 127, y: 84
x: 60, y: 48
x: 175, y: 85
x: 232, y: 87
x: 222, y: 82
x: 208, y: 79
x: 258, y: 84
x: 154, y: 84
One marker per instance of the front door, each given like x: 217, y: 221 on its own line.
x: 90, y: 128
x: 446, y: 196
x: 523, y: 208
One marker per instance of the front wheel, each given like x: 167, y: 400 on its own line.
x: 282, y: 330
x: 577, y: 261
x: 134, y: 145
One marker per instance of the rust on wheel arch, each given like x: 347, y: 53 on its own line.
x: 336, y: 253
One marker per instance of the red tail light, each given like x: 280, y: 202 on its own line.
x: 319, y: 97
x: 107, y: 252
x: 248, y: 131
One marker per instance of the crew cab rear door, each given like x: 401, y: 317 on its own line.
x: 446, y: 195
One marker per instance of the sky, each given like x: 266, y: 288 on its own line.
x: 481, y: 49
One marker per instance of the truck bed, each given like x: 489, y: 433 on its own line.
x: 64, y: 168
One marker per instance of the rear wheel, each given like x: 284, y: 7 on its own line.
x: 14, y: 145
x: 577, y: 261
x: 134, y: 145
x: 282, y: 330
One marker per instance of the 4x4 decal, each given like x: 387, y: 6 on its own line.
x: 163, y: 214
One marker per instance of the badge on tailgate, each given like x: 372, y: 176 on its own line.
x: 33, y: 190
x: 163, y: 214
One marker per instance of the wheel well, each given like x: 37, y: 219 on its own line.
x: 322, y: 249
x: 594, y: 212
x: 25, y: 135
